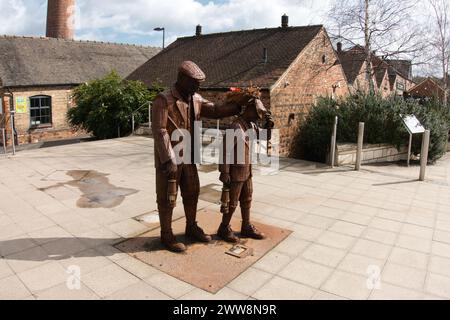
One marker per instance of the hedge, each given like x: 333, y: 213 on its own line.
x: 383, y: 124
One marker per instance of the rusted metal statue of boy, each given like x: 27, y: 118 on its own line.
x: 236, y: 171
x: 174, y: 112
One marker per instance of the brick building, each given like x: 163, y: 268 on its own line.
x: 400, y: 76
x: 389, y: 76
x: 426, y: 90
x: 291, y: 65
x: 38, y: 74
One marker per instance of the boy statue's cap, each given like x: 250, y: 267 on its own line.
x: 192, y: 70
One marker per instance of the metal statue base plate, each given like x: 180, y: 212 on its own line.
x: 207, y: 266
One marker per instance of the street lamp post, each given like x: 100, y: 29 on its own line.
x: 164, y: 34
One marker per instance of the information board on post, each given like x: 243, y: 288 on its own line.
x: 413, y: 126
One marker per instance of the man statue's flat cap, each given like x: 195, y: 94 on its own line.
x: 192, y: 70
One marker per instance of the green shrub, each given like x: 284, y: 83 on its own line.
x: 104, y: 106
x: 383, y: 124
x: 313, y: 139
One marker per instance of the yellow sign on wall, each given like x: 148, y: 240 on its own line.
x: 21, y: 105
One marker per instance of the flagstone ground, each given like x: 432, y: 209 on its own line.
x: 349, y: 229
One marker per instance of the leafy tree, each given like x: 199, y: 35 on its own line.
x: 104, y: 106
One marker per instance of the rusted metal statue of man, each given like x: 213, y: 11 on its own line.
x: 236, y: 171
x: 174, y: 112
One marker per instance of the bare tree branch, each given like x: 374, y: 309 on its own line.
x: 440, y: 39
x: 383, y: 26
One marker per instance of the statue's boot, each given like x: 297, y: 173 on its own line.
x: 171, y: 243
x: 167, y: 237
x: 193, y: 231
x: 248, y: 230
x: 226, y: 233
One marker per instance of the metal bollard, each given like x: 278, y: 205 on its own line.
x: 360, y: 146
x: 4, y: 140
x: 424, y: 154
x: 333, y: 142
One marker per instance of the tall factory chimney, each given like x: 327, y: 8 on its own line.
x: 60, y: 19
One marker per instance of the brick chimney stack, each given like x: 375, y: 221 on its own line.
x: 60, y: 19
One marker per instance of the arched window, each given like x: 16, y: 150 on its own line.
x: 40, y: 110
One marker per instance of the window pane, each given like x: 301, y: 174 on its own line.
x: 40, y: 110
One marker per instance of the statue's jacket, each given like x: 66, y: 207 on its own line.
x: 236, y: 155
x: 170, y: 112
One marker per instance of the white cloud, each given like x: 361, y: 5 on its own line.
x: 179, y: 17
x: 21, y: 16
x: 116, y: 20
x: 133, y: 21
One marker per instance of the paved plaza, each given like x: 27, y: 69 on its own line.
x: 373, y: 234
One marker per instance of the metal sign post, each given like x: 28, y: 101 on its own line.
x: 333, y: 142
x: 409, y: 148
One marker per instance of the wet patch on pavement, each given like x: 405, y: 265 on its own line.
x: 97, y: 191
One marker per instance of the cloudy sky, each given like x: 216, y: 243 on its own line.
x: 134, y: 21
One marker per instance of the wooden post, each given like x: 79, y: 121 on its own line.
x: 360, y: 146
x: 424, y: 154
x: 333, y: 142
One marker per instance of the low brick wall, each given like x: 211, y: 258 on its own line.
x: 372, y: 153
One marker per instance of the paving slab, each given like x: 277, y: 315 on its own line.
x: 344, y: 224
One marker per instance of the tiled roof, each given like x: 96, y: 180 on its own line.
x: 353, y: 60
x: 403, y: 67
x: 231, y: 58
x: 31, y: 61
x: 427, y: 88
